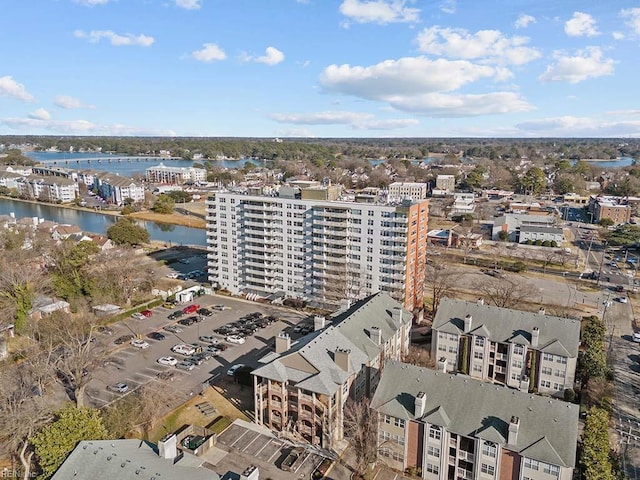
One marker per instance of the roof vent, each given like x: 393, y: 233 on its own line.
x: 109, y: 458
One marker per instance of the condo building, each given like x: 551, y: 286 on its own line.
x: 402, y: 190
x: 320, y: 251
x: 524, y: 350
x: 164, y: 174
x: 452, y: 427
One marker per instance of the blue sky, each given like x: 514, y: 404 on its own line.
x: 320, y: 68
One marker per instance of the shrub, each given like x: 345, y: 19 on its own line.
x: 546, y: 243
x: 538, y: 243
x: 569, y: 395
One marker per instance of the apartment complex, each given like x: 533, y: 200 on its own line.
x: 616, y: 209
x: 446, y: 183
x: 324, y: 252
x: 398, y: 191
x: 524, y: 350
x: 302, y: 387
x: 116, y: 188
x: 454, y: 427
x: 48, y: 189
x: 164, y: 174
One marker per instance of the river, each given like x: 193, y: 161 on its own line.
x: 98, y: 223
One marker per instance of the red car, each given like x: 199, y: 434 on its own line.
x: 190, y: 308
x: 146, y: 313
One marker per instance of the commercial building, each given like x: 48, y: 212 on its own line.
x: 302, y: 387
x: 164, y: 174
x: 524, y: 350
x: 534, y: 233
x: 398, y: 191
x: 323, y: 252
x: 616, y: 209
x: 454, y: 427
x: 48, y: 189
x: 512, y: 223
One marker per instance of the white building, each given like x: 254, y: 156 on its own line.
x: 49, y: 189
x: 163, y: 174
x: 446, y: 183
x: 463, y: 203
x: 116, y: 188
x: 398, y: 191
x: 321, y: 251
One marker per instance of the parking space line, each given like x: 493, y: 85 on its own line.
x: 237, y: 439
x: 249, y: 444
x: 274, y: 454
x: 304, y: 461
x: 263, y: 447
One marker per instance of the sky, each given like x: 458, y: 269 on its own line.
x: 320, y: 68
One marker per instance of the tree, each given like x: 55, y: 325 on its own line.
x: 504, y: 292
x: 440, y: 280
x: 595, y: 458
x: 606, y: 222
x: 127, y: 232
x: 71, y: 425
x: 419, y: 356
x: 593, y: 361
x: 68, y: 268
x: 164, y: 204
x: 625, y: 235
x: 361, y: 428
x: 503, y: 236
x: 533, y: 182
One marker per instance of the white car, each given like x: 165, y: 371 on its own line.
x: 172, y: 275
x: 623, y: 299
x: 221, y: 307
x: 232, y: 371
x: 235, y: 339
x: 183, y: 349
x: 138, y: 316
x: 636, y: 337
x: 139, y: 343
x: 170, y: 361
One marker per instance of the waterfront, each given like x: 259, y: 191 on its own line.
x: 99, y: 223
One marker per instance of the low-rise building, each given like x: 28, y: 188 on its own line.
x: 398, y: 191
x: 524, y: 350
x: 534, y: 233
x: 511, y: 224
x: 463, y: 203
x: 446, y: 183
x: 616, y: 209
x: 454, y: 427
x: 48, y: 189
x: 303, y: 387
x: 117, y: 189
x: 164, y: 174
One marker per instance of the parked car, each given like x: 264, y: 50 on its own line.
x: 213, y: 350
x: 118, y: 388
x: 172, y: 275
x: 221, y: 307
x: 106, y: 330
x: 187, y: 321
x: 168, y: 375
x: 289, y: 461
x: 123, y: 339
x: 195, y: 359
x: 170, y: 361
x: 138, y: 316
x: 183, y: 349
x: 235, y: 339
x: 138, y: 343
x: 208, y: 339
x: 176, y: 314
x: 156, y: 336
x: 221, y: 330
x: 636, y: 337
x: 172, y: 328
x: 185, y: 365
x: 168, y: 305
x: 622, y: 299
x: 204, y: 311
x: 147, y: 313
x: 232, y: 371
x: 191, y: 308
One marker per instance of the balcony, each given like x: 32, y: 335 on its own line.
x: 468, y: 456
x: 211, y: 217
x: 211, y: 226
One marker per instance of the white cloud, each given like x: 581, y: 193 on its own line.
x: 448, y: 6
x: 419, y: 85
x: 68, y: 103
x: 569, y: 126
x: 631, y: 112
x: 356, y: 120
x: 379, y: 11
x: 585, y: 64
x: 524, y: 21
x: 117, y: 40
x: 40, y: 114
x: 189, y: 4
x: 272, y: 56
x: 633, y: 18
x: 10, y: 88
x: 581, y: 25
x: 617, y: 35
x: 208, y: 53
x: 91, y: 3
x: 80, y: 127
x: 490, y: 45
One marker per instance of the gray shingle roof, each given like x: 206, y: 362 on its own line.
x: 548, y: 427
x: 539, y: 229
x: 128, y: 459
x: 507, y: 325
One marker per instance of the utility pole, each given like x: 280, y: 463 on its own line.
x: 604, y: 253
x: 586, y: 263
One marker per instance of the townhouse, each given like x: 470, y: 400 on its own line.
x: 302, y: 387
x: 529, y: 351
x: 454, y: 427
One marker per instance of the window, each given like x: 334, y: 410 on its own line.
x: 399, y: 422
x: 488, y: 469
x: 558, y: 373
x: 548, y: 357
x: 518, y: 349
x: 517, y: 364
x: 433, y: 468
x: 478, y: 355
x: 546, y: 371
x: 530, y: 463
x: 453, y: 349
x: 489, y: 449
x: 551, y: 470
x: 434, y: 432
x: 479, y: 341
x: 384, y: 436
x: 433, y: 451
x: 477, y: 368
x: 545, y: 383
x: 562, y: 360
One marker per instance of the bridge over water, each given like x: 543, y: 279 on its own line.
x: 109, y: 159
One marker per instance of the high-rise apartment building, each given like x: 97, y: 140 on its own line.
x: 324, y: 252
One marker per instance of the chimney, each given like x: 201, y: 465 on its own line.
x: 341, y: 357
x: 535, y: 336
x: 542, y: 311
x: 480, y: 301
x: 419, y: 404
x: 442, y: 364
x: 514, y: 426
x: 467, y: 323
x: 168, y: 446
x: 250, y: 473
x: 283, y: 342
x: 396, y: 314
x: 318, y: 323
x: 376, y: 335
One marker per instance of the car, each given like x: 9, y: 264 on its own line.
x: 118, y: 388
x: 190, y: 308
x: 221, y: 330
x: 176, y: 314
x: 168, y: 305
x: 619, y: 288
x: 614, y: 264
x: 294, y: 455
x: 139, y: 343
x: 213, y: 350
x: 636, y: 337
x: 187, y: 322
x: 221, y: 307
x: 235, y: 339
x: 138, y: 316
x: 156, y: 336
x: 195, y: 359
x: 185, y: 365
x: 622, y: 299
x: 172, y: 275
x: 146, y: 313
x: 184, y: 261
x: 106, y: 330
x: 208, y: 339
x: 172, y: 328
x: 183, y: 349
x: 170, y: 361
x: 232, y: 371
x: 123, y: 339
x: 204, y: 312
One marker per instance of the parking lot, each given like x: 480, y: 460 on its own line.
x: 139, y: 366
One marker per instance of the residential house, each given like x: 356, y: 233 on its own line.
x: 303, y: 386
x: 43, y: 306
x: 524, y: 350
x: 104, y: 243
x: 463, y: 203
x: 9, y: 179
x: 62, y: 232
x: 454, y: 427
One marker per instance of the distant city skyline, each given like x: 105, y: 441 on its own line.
x: 320, y: 68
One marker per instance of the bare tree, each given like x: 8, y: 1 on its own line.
x: 361, y: 429
x: 441, y: 279
x: 419, y: 356
x: 504, y: 292
x: 550, y: 256
x: 342, y: 281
